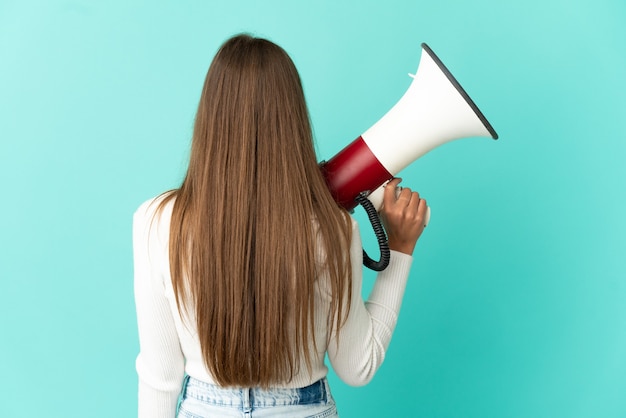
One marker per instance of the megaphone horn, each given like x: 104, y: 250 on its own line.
x: 434, y: 110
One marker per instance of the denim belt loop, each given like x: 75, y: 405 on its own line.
x: 247, y: 401
x: 182, y: 393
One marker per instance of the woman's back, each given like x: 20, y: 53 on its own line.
x: 170, y: 346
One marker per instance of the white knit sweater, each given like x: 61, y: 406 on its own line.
x: 169, y: 346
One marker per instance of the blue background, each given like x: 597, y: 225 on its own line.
x: 515, y: 306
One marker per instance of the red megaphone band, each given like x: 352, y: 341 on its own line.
x: 353, y: 170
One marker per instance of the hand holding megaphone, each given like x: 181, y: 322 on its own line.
x: 376, y: 197
x: 434, y: 110
x: 404, y: 216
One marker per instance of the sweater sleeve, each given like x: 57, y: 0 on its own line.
x: 360, y: 348
x: 160, y: 363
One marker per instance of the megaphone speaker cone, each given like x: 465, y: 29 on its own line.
x: 461, y: 90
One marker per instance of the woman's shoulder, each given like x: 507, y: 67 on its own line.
x: 161, y: 203
x: 155, y: 213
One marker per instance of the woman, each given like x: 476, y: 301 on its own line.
x: 250, y: 273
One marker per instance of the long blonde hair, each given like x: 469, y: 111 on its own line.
x: 248, y: 218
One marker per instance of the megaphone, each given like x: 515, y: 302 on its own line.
x: 434, y: 110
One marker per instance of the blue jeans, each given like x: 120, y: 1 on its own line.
x: 204, y: 400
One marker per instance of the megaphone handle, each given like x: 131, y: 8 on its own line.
x: 380, y: 236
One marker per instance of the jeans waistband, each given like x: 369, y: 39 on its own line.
x: 315, y: 393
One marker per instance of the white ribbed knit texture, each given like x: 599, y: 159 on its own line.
x: 169, y: 346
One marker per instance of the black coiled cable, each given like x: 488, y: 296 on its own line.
x: 380, y: 236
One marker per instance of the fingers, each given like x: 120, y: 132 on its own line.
x: 416, y: 207
x: 408, y: 202
x: 389, y: 195
x: 393, y: 194
x: 413, y: 199
x: 404, y: 197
